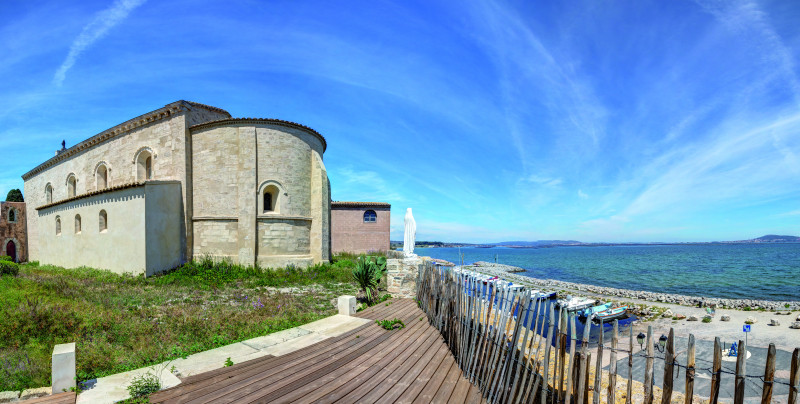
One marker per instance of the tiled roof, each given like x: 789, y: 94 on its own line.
x: 153, y: 116
x: 93, y: 193
x: 269, y: 121
x: 347, y: 204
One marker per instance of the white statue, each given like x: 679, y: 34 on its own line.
x: 410, y: 236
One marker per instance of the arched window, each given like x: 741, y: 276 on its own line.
x: 77, y: 224
x: 101, y: 176
x: 370, y: 216
x: 144, y: 165
x: 270, y: 202
x: 58, y: 225
x: 71, y: 185
x: 103, y: 221
x: 12, y: 215
x: 48, y: 193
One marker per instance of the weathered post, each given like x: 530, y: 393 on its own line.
x: 769, y: 376
x: 669, y: 360
x: 715, y: 373
x: 612, y: 366
x: 648, y: 371
x: 690, y: 370
x: 741, y: 362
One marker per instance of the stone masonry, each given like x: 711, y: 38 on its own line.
x: 13, y: 232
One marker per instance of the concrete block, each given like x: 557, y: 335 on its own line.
x: 347, y: 305
x: 34, y: 393
x: 63, y: 369
x: 9, y: 396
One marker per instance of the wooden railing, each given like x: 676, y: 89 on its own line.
x: 516, y: 347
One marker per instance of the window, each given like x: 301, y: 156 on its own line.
x: 103, y: 221
x: 77, y: 224
x: 48, y: 193
x: 71, y: 184
x: 144, y: 165
x: 370, y: 216
x: 58, y: 225
x: 12, y: 216
x: 102, y: 177
x: 271, y: 199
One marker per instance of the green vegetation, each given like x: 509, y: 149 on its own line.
x: 228, y: 362
x: 125, y: 322
x: 368, y: 274
x: 15, y: 195
x: 391, y: 324
x: 8, y: 268
x: 706, y: 319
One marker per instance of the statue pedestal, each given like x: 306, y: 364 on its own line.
x: 401, y: 276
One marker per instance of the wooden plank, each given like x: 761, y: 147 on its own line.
x: 375, y: 361
x: 447, y: 387
x: 461, y: 391
x: 769, y: 376
x: 741, y: 364
x: 715, y: 373
x: 612, y: 365
x: 584, y: 372
x: 405, y: 375
x: 59, y: 398
x: 520, y: 357
x: 586, y: 363
x: 794, y: 376
x: 539, y: 379
x: 570, y: 377
x: 648, y: 371
x: 598, y: 368
x: 629, y: 395
x: 564, y: 324
x: 237, y: 367
x: 690, y: 371
x: 473, y: 396
x: 275, y: 378
x: 669, y: 367
x: 432, y: 386
x: 546, y: 373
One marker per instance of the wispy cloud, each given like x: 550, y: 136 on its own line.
x: 582, y: 194
x: 96, y: 29
x: 545, y: 181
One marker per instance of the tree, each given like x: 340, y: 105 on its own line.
x: 15, y: 195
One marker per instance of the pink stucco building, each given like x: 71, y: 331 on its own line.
x: 360, y: 227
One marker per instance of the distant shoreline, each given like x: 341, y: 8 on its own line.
x: 457, y: 245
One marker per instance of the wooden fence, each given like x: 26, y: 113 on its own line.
x: 516, y: 346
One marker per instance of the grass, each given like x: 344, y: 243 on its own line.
x: 124, y: 322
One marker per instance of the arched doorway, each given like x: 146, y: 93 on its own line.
x: 11, y: 250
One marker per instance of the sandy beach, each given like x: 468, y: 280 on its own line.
x: 761, y: 335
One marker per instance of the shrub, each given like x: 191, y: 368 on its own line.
x: 144, y: 385
x: 367, y: 275
x: 15, y: 195
x: 5, y: 258
x: 391, y: 324
x: 706, y: 319
x: 9, y: 268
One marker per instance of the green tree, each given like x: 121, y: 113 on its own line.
x: 15, y: 195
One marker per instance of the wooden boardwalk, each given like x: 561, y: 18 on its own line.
x: 366, y: 365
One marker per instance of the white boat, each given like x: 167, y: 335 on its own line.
x: 577, y: 303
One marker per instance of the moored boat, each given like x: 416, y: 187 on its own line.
x: 610, y: 314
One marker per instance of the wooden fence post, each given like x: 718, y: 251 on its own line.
x: 741, y: 363
x: 598, y: 369
x: 570, y: 377
x: 584, y: 374
x: 648, y: 371
x: 690, y: 370
x: 794, y: 376
x: 715, y: 373
x: 548, y: 341
x: 628, y: 398
x: 587, y: 362
x: 769, y: 375
x: 612, y: 365
x: 669, y: 360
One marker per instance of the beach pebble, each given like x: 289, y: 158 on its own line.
x: 751, y: 320
x: 680, y: 316
x: 693, y: 318
x: 798, y: 318
x: 795, y: 325
x: 667, y: 313
x: 725, y: 317
x: 774, y: 322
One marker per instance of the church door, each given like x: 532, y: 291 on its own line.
x: 11, y: 250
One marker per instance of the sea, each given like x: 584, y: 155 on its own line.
x: 734, y: 271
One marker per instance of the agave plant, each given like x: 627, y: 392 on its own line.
x: 368, y: 275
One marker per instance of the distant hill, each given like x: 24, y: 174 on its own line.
x: 536, y: 243
x: 772, y: 238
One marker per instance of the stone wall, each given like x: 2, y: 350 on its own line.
x: 142, y: 232
x: 234, y: 163
x: 402, y: 275
x: 14, y: 232
x: 349, y: 232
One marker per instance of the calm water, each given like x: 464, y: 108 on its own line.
x: 741, y: 271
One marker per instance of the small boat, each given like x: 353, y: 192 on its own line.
x: 576, y: 304
x: 596, y: 309
x: 610, y: 314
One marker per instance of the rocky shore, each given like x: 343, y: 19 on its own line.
x: 509, y: 272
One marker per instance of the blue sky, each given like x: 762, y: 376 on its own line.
x: 591, y: 120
